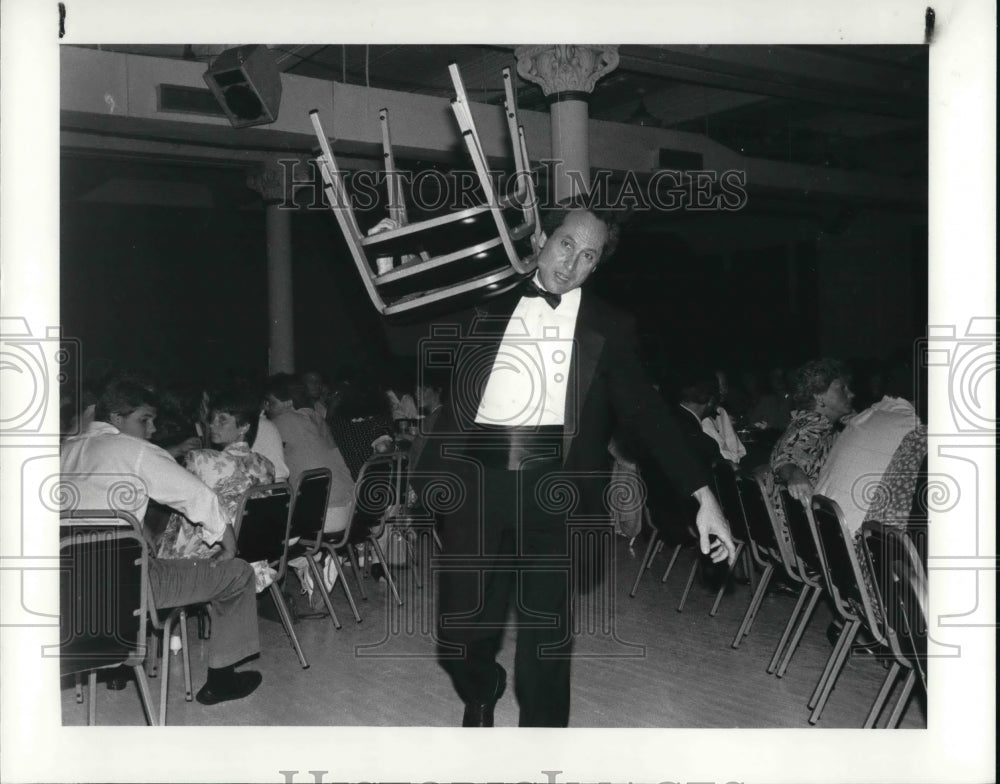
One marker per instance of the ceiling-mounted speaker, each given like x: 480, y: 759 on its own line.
x: 247, y: 84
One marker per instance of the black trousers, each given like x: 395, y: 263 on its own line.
x: 506, y: 550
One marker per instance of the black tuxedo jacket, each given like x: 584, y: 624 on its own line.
x: 607, y: 388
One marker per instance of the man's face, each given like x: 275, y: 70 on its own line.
x: 138, y: 424
x: 569, y: 256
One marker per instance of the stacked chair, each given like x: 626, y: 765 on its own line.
x: 475, y: 251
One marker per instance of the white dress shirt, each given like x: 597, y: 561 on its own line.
x: 720, y: 427
x: 530, y: 375
x: 106, y: 469
x: 268, y: 444
x: 856, y: 464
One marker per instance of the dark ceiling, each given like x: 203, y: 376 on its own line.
x: 856, y: 108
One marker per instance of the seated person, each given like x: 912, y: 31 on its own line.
x: 697, y: 398
x: 772, y: 410
x: 113, y: 466
x: 717, y: 423
x: 268, y: 444
x: 430, y: 402
x: 872, y: 470
x: 361, y: 424
x: 307, y: 443
x: 230, y: 472
x: 822, y: 398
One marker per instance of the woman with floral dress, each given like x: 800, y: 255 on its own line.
x: 821, y: 398
x: 229, y: 471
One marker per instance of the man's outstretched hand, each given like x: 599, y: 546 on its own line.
x: 712, y: 523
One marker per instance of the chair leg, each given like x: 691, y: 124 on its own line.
x: 165, y: 668
x: 185, y: 656
x: 904, y: 694
x: 321, y: 587
x: 385, y: 568
x: 788, y: 628
x: 883, y: 692
x: 841, y: 652
x: 153, y: 655
x: 92, y: 703
x: 755, y: 600
x: 749, y: 566
x: 760, y: 593
x: 144, y: 694
x: 79, y: 688
x: 689, y: 583
x: 647, y: 559
x: 342, y: 579
x: 799, y: 630
x: 286, y: 621
x: 411, y: 555
x: 673, y: 559
x: 353, y: 556
x: 740, y: 550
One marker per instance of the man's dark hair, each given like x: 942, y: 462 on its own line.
x: 285, y: 386
x: 698, y: 386
x: 243, y: 403
x: 122, y: 396
x: 552, y: 218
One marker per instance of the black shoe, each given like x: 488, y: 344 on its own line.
x: 118, y: 678
x: 378, y: 571
x: 480, y: 714
x: 242, y: 684
x: 781, y: 588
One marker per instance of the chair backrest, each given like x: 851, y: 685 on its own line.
x: 379, y: 493
x: 917, y: 526
x: 103, y: 561
x: 803, y: 535
x: 901, y: 582
x: 308, y: 513
x: 262, y: 523
x: 761, y: 520
x: 845, y: 569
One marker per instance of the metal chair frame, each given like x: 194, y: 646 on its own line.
x: 900, y: 592
x: 406, y: 239
x: 115, y: 529
x: 313, y: 540
x: 845, y: 585
x: 256, y: 541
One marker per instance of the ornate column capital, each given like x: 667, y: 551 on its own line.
x: 566, y: 68
x: 269, y: 180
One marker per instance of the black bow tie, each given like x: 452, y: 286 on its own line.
x: 531, y: 289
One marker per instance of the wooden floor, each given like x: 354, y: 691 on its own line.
x: 644, y: 665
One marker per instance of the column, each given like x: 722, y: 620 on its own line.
x: 567, y: 75
x: 269, y: 181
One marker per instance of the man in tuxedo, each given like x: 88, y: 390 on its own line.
x: 538, y: 384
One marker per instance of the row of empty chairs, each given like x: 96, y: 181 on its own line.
x: 879, y: 586
x: 106, y: 605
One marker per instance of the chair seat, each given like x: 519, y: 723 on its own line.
x: 92, y: 657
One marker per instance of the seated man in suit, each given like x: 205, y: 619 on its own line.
x: 540, y: 382
x: 697, y: 397
x: 113, y: 466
